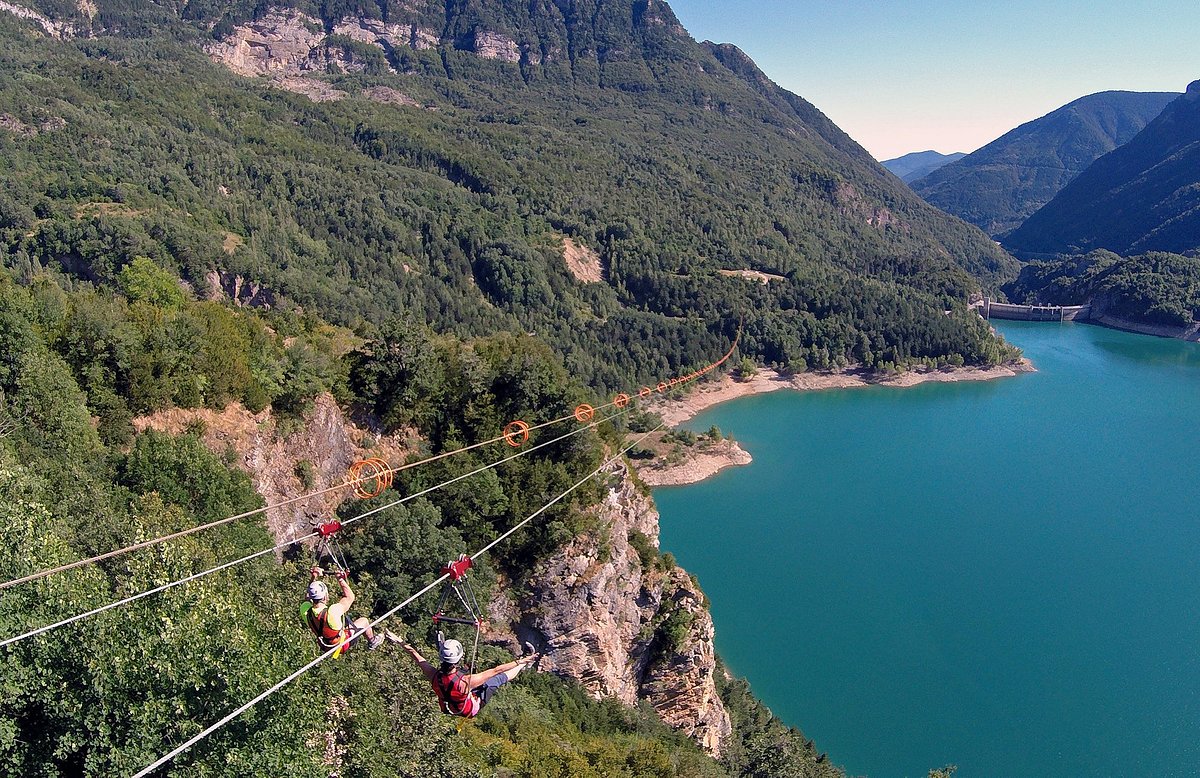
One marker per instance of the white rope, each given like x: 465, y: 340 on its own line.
x: 227, y: 565
x: 245, y: 707
x: 674, y: 382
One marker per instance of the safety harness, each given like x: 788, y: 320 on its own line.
x: 454, y: 693
x: 318, y: 621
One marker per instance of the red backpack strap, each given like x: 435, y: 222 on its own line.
x: 455, y: 698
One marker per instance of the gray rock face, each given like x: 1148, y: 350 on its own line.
x: 493, y: 45
x: 598, y: 613
x: 386, y: 35
x: 284, y: 42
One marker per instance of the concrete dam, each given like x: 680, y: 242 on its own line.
x: 989, y: 309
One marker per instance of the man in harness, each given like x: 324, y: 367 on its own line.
x: 329, y: 622
x: 465, y: 694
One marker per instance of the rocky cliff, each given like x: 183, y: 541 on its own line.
x: 610, y: 614
x: 606, y: 610
x: 284, y: 463
x: 286, y: 43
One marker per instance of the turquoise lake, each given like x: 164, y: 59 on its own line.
x: 1002, y: 575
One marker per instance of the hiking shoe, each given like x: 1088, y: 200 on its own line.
x: 528, y: 648
x: 375, y: 642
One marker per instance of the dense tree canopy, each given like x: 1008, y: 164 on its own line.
x: 175, y: 236
x: 1154, y: 288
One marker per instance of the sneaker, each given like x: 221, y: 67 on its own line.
x: 375, y: 642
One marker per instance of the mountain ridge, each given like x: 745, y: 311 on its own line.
x: 918, y: 164
x: 1001, y: 184
x: 1150, y: 183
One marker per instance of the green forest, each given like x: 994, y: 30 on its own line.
x: 355, y: 210
x: 175, y: 236
x: 1153, y: 288
x: 107, y: 695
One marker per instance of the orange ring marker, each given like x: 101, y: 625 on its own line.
x: 516, y: 433
x: 585, y: 412
x: 366, y: 469
x: 645, y: 392
x: 621, y: 400
x: 662, y: 386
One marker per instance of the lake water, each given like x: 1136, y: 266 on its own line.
x: 1004, y: 575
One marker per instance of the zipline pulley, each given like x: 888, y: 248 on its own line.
x: 327, y: 545
x: 458, y: 604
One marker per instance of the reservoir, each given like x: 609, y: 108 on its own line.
x: 1002, y: 575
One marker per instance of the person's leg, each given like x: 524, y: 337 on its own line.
x: 363, y: 624
x: 485, y: 692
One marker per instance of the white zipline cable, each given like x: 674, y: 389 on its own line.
x: 645, y: 392
x: 227, y: 565
x: 245, y: 707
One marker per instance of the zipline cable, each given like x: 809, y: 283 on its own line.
x: 262, y: 696
x: 617, y: 402
x: 293, y: 541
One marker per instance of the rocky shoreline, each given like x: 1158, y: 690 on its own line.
x: 1191, y: 332
x: 704, y: 462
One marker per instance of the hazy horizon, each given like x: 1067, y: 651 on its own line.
x: 952, y: 77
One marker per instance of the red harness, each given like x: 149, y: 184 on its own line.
x: 319, y: 624
x: 453, y: 692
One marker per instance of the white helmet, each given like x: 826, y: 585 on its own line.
x: 317, y: 591
x: 451, y: 652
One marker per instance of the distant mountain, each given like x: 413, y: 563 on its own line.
x: 919, y: 164
x: 1000, y: 185
x: 1144, y: 196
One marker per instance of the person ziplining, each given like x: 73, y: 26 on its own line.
x: 331, y: 623
x: 462, y: 693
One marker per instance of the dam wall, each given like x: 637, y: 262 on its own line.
x: 989, y: 309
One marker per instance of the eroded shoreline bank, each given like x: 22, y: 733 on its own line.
x: 701, y: 463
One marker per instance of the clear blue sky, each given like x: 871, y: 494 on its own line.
x: 953, y: 76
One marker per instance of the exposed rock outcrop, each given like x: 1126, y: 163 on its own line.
x: 284, y: 42
x: 680, y: 685
x: 15, y: 125
x: 53, y: 28
x: 695, y: 464
x: 290, y: 47
x: 385, y: 94
x: 386, y: 36
x: 241, y: 291
x: 274, y: 459
x: 621, y: 626
x: 494, y: 45
x: 583, y: 262
x: 287, y: 45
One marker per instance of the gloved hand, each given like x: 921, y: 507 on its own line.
x: 342, y: 575
x: 316, y: 571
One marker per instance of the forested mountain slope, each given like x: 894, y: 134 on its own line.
x: 1144, y: 196
x: 445, y: 216
x: 1001, y: 184
x: 612, y: 128
x: 919, y: 164
x: 1155, y: 288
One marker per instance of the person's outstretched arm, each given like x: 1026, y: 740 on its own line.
x: 429, y: 670
x: 347, y: 593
